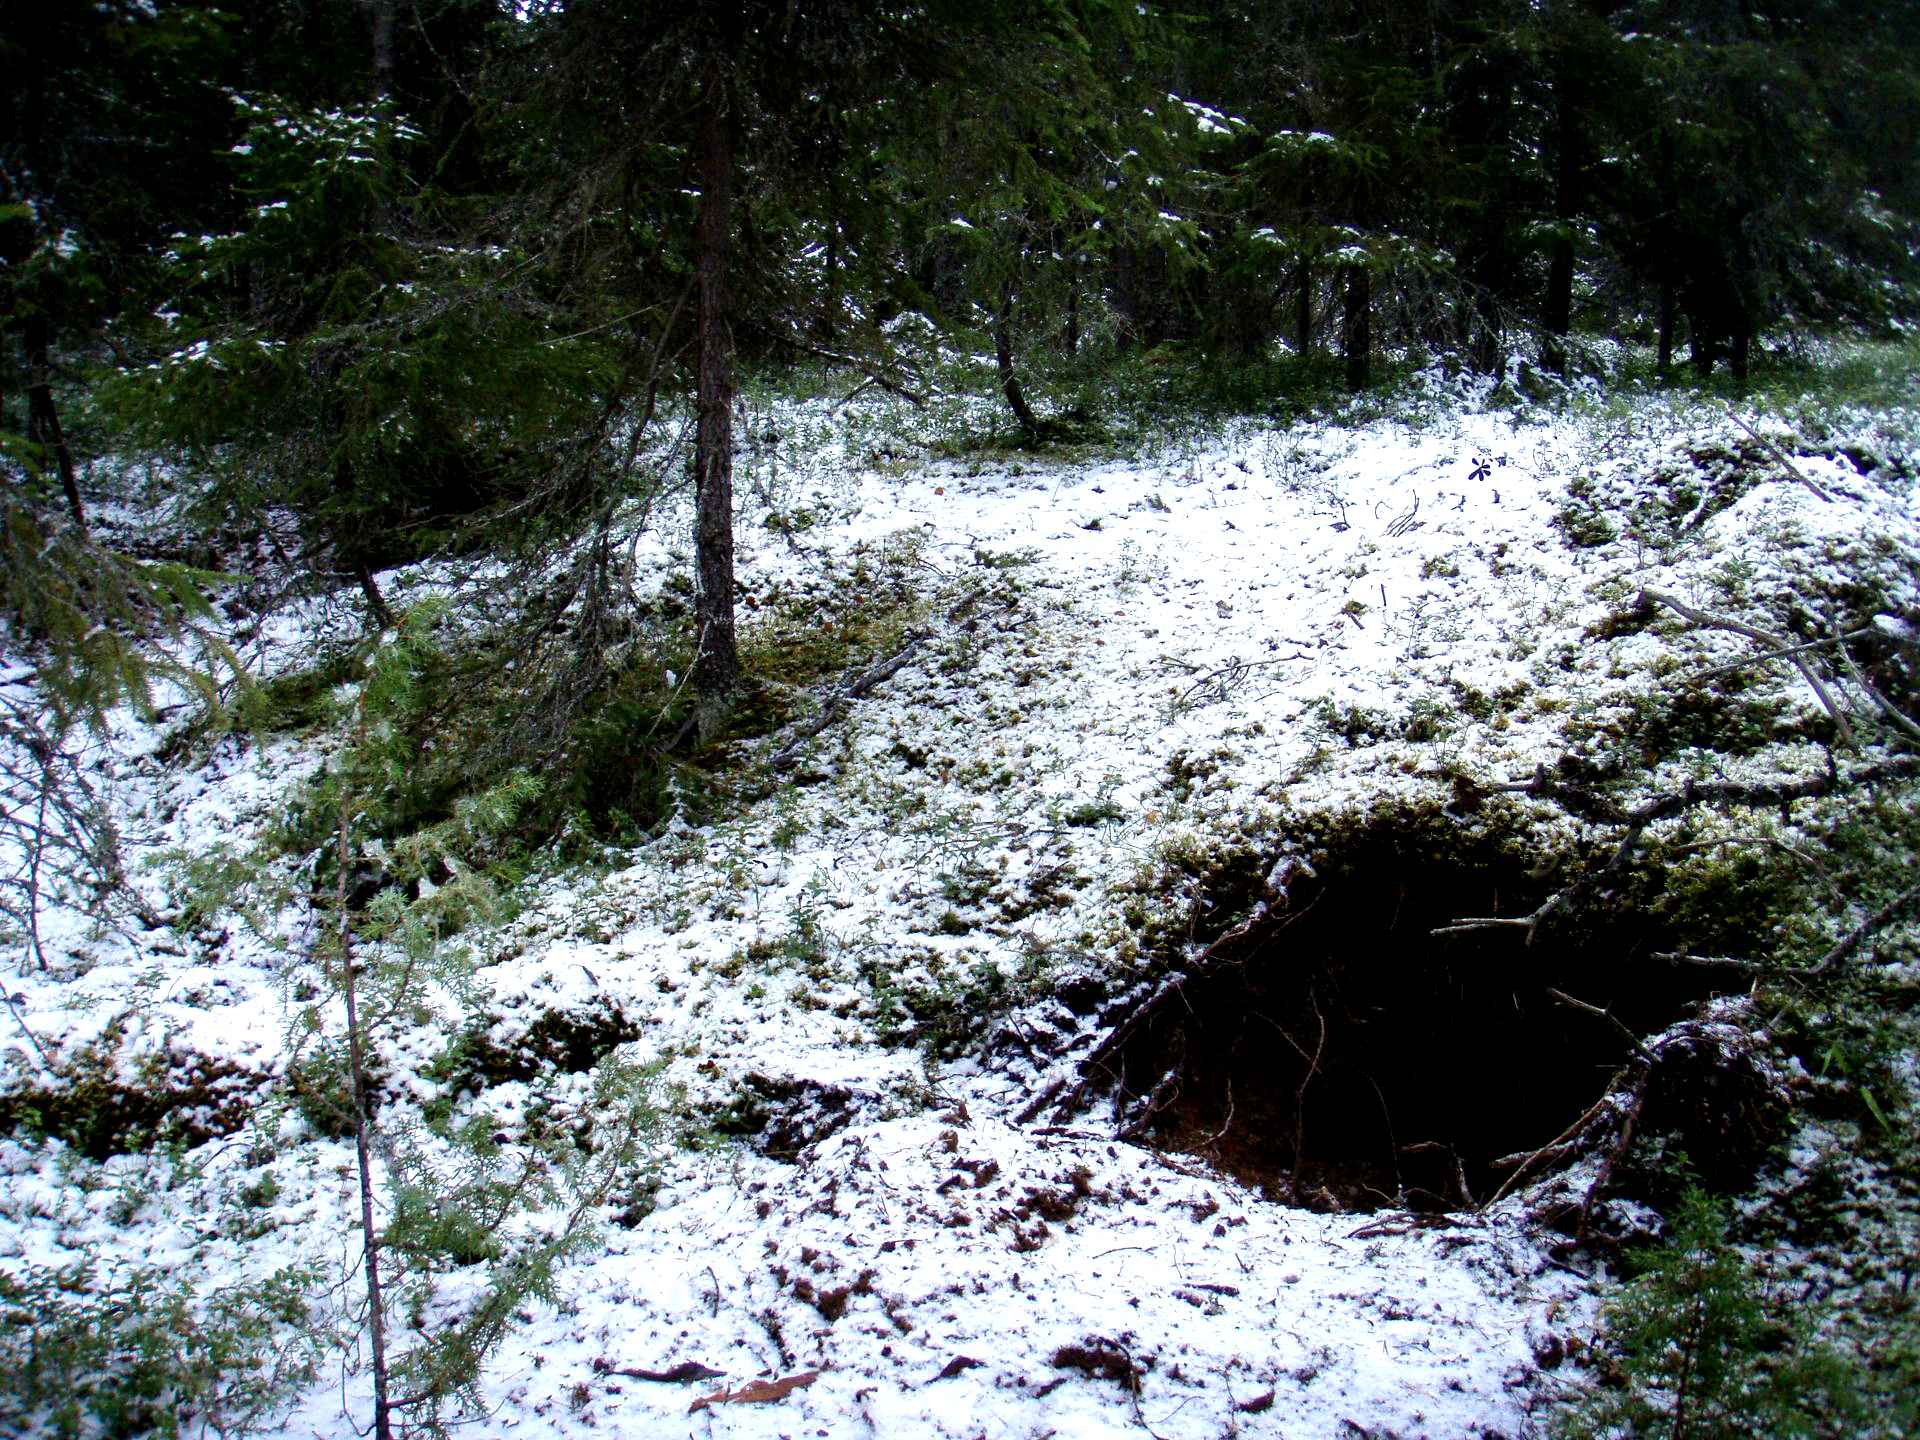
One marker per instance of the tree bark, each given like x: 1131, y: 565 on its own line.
x: 382, y: 12
x: 362, y: 1123
x: 1356, y: 331
x: 1667, y: 309
x: 1669, y: 284
x: 43, y: 416
x: 1557, y: 313
x: 716, y: 665
x: 1003, y: 357
x: 1302, y: 308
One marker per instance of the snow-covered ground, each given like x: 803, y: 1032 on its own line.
x: 1129, y: 664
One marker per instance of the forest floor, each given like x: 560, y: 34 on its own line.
x: 1244, y: 676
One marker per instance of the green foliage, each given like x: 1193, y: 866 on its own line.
x: 459, y: 1199
x: 83, y: 1353
x: 353, y: 349
x: 94, y: 615
x: 1698, y: 1346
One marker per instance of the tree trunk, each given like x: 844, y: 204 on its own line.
x: 1669, y: 283
x: 830, y: 318
x: 1667, y: 308
x: 1003, y: 357
x: 716, y: 664
x: 1557, y: 313
x: 1073, y: 309
x: 1701, y: 346
x: 1356, y: 331
x: 1302, y: 308
x: 382, y: 12
x: 362, y: 1111
x: 43, y: 417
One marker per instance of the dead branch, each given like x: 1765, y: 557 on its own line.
x: 1561, y: 1145
x: 1778, y: 454
x: 1065, y: 1097
x: 1894, y: 910
x: 861, y: 686
x: 1636, y: 1102
x: 1588, y: 803
x: 1710, y: 962
x: 1216, y: 683
x: 1775, y: 642
x: 873, y: 373
x: 1765, y: 655
x: 1561, y: 997
x: 1904, y: 723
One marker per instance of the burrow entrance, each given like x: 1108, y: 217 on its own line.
x: 1339, y: 1055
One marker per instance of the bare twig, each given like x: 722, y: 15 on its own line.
x: 1778, y: 454
x: 1710, y: 962
x: 861, y: 686
x: 1216, y: 683
x: 1787, y: 654
x: 1785, y: 647
x: 874, y: 373
x: 1561, y: 997
x: 1300, y: 1097
x: 1893, y: 911
x: 1902, y: 722
x: 1636, y: 1102
x: 1560, y: 1145
x: 1583, y: 801
x: 20, y: 1019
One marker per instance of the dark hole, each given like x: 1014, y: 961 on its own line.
x: 1350, y: 1059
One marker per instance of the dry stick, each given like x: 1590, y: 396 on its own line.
x: 376, y: 1319
x: 1740, y: 627
x: 1589, y: 804
x: 1065, y: 1097
x: 1903, y: 722
x: 1632, y: 1039
x: 831, y: 711
x: 872, y: 372
x: 1710, y: 962
x: 1553, y: 1149
x: 1895, y: 909
x: 1786, y: 654
x: 19, y: 1019
x: 1300, y: 1097
x: 1778, y: 454
x: 1238, y: 670
x: 1636, y: 1102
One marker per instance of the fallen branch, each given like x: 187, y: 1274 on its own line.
x: 1787, y: 654
x: 1561, y: 997
x: 1902, y: 722
x: 873, y: 373
x: 1256, y: 929
x: 1778, y: 454
x: 1587, y: 803
x: 862, y: 685
x: 1216, y: 682
x: 1786, y: 648
x: 1894, y: 910
x: 1636, y: 1102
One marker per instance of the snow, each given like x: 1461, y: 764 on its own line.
x: 1227, y: 594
